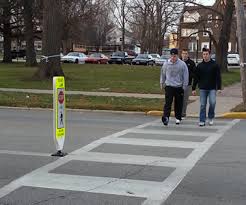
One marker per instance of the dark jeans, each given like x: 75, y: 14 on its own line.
x: 178, y: 94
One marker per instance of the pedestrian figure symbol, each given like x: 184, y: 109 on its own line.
x: 61, y: 119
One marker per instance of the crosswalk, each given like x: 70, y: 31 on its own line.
x: 177, y: 148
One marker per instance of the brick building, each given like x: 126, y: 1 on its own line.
x: 194, y: 24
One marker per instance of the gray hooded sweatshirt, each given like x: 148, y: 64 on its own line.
x: 174, y: 74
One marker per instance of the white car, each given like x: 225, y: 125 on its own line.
x: 233, y: 59
x: 155, y: 56
x: 74, y: 57
x: 162, y: 60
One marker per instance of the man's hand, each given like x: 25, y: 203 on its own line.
x: 161, y: 86
x: 193, y: 92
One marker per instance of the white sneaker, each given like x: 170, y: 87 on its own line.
x: 201, y: 124
x: 177, y: 122
x: 183, y: 118
x: 210, y: 122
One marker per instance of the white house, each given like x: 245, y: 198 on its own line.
x: 114, y: 37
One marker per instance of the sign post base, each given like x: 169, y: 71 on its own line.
x: 59, y: 153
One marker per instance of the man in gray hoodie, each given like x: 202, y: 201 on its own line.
x: 174, y: 78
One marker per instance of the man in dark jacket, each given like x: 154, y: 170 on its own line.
x: 191, y: 68
x: 208, y: 77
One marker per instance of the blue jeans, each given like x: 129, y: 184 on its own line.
x: 204, y: 96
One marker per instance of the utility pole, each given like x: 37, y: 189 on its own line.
x: 241, y: 31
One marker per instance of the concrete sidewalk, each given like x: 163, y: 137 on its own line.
x: 230, y: 97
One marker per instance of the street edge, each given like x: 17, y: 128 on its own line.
x: 227, y: 115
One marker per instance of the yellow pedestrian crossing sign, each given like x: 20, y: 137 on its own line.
x: 59, y: 115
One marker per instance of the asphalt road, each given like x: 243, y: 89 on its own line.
x: 120, y: 159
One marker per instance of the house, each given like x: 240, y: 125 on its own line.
x: 114, y: 39
x: 195, y: 25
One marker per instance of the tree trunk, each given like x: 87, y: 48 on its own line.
x: 7, y: 57
x: 222, y: 49
x: 52, y: 29
x: 29, y: 34
x: 241, y: 28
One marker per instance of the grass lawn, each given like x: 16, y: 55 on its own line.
x: 79, y: 101
x: 111, y: 78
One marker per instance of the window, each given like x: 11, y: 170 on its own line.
x: 205, y: 45
x: 210, y: 17
x: 217, y: 17
x: 206, y: 34
x: 187, y: 32
x: 191, y: 17
x: 192, y: 46
x: 229, y: 47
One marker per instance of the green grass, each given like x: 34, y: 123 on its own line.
x: 111, y: 78
x: 231, y: 77
x: 80, y: 102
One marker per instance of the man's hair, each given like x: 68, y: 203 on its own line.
x: 206, y: 50
x: 185, y: 50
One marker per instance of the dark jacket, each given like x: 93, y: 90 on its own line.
x: 191, y: 67
x: 208, y: 76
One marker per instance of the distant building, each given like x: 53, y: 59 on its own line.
x: 114, y: 39
x: 194, y: 23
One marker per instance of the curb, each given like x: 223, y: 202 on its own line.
x: 234, y: 115
x: 227, y: 115
x: 160, y: 113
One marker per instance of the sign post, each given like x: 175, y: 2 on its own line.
x: 59, y: 115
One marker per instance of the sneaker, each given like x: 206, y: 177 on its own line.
x: 177, y: 122
x: 165, y: 120
x: 201, y: 124
x: 210, y: 122
x: 183, y: 118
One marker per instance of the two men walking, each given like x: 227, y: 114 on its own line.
x: 177, y: 76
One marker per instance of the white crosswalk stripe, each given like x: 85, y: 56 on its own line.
x: 155, y: 192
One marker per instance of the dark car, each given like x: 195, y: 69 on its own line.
x: 120, y: 57
x: 143, y: 59
x: 18, y: 53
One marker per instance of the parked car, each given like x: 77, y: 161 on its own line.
x: 143, y: 59
x: 132, y: 53
x: 155, y: 56
x: 120, y: 57
x: 98, y: 58
x: 233, y: 59
x: 18, y: 53
x: 213, y: 57
x: 162, y: 60
x: 74, y: 57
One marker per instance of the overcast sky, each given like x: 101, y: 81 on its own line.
x: 206, y: 2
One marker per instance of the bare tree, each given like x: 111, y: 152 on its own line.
x: 121, y: 10
x: 6, y: 29
x: 52, y: 28
x: 224, y: 10
x: 242, y: 45
x: 151, y: 20
x: 29, y: 32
